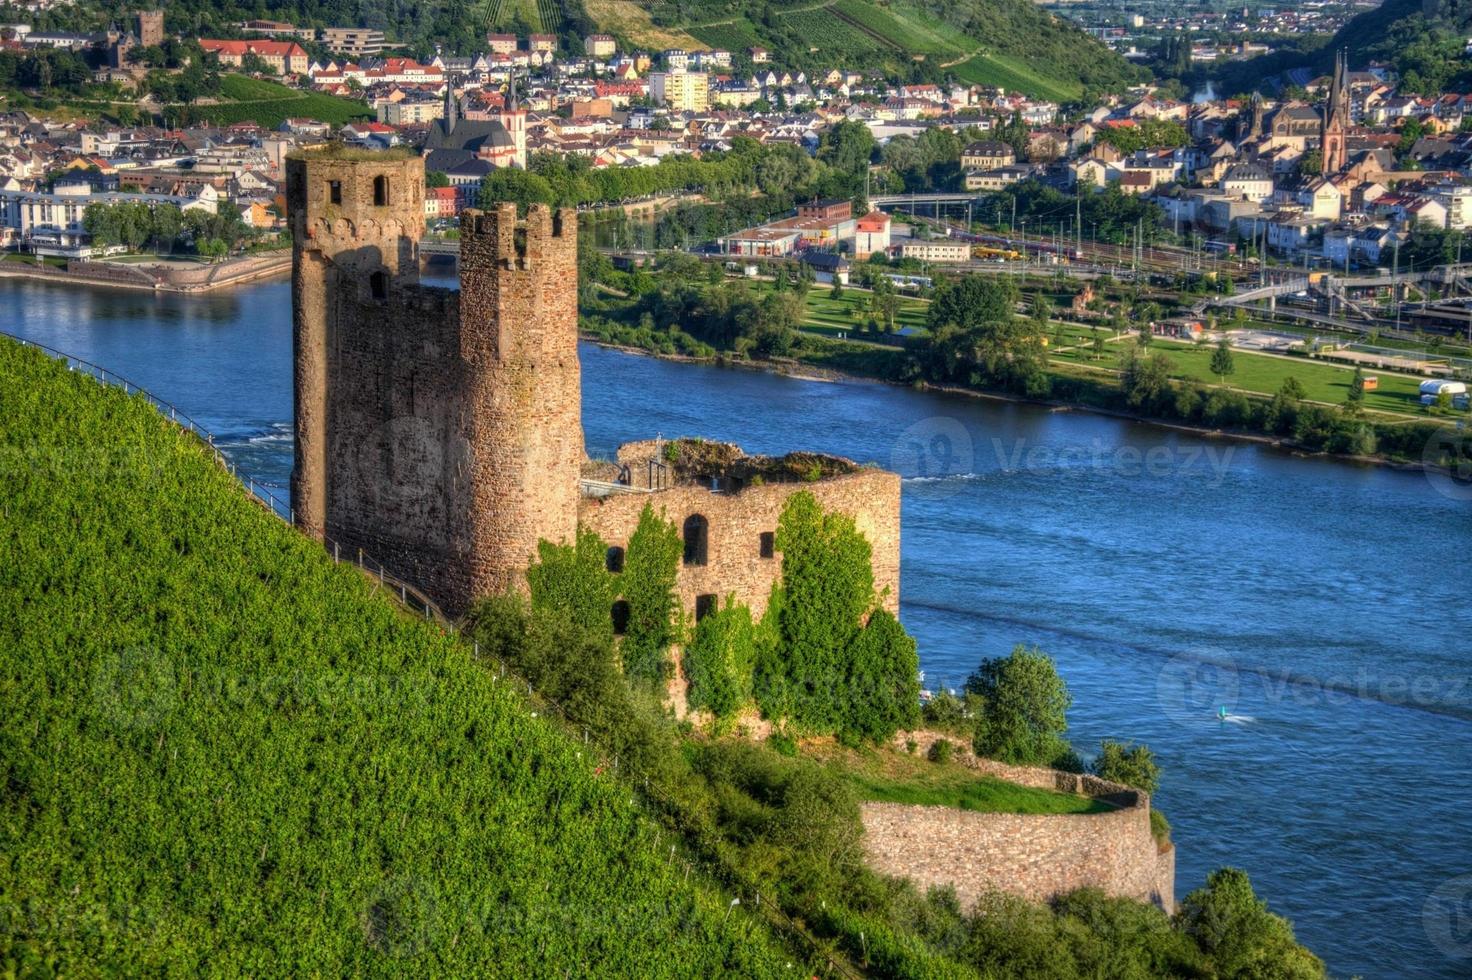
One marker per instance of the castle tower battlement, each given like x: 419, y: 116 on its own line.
x: 436, y: 429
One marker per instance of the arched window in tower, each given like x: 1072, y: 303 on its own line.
x: 697, y: 533
x: 614, y: 559
x: 378, y: 285
x: 380, y: 191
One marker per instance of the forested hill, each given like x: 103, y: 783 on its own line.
x: 1007, y: 43
x: 1425, y: 49
x: 222, y: 754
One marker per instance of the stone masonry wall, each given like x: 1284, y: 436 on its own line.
x: 1033, y: 856
x: 734, y: 565
x: 436, y: 430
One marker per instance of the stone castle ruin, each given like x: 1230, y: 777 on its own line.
x: 440, y: 430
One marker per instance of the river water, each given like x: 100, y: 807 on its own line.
x: 1323, y: 604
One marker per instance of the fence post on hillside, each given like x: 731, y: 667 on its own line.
x: 334, y: 550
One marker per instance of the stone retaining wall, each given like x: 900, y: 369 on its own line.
x: 197, y: 279
x: 1033, y: 856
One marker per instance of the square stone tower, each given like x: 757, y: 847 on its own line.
x: 438, y: 430
x: 150, y: 28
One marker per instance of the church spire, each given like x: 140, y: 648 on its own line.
x: 450, y: 106
x: 1335, y: 123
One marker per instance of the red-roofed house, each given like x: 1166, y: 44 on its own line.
x: 871, y: 234
x: 284, y: 57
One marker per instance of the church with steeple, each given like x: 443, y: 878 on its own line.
x: 498, y: 139
x: 1334, y: 127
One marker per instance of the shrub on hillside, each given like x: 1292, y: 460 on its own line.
x: 574, y: 580
x: 1022, y: 707
x: 1245, y: 940
x: 1132, y: 765
x: 882, y: 689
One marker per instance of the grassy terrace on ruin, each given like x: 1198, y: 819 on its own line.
x: 889, y: 776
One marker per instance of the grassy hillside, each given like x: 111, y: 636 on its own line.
x: 1009, y: 43
x: 268, y: 103
x: 222, y: 754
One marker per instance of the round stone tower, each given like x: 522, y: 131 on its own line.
x: 518, y: 340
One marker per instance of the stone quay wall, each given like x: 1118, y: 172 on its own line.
x: 1033, y: 856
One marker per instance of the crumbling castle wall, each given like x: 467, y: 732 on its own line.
x: 735, y: 563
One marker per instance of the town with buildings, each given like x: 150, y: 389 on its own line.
x: 387, y: 591
x: 1337, y: 179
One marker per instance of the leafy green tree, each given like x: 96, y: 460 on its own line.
x: 1132, y: 765
x: 973, y: 299
x: 436, y: 178
x: 1145, y: 380
x: 1282, y: 411
x: 1354, y: 399
x: 1221, y: 360
x: 519, y: 186
x: 847, y: 147
x: 1022, y: 709
x: 884, y: 301
x: 101, y: 222
x: 647, y: 584
x: 1245, y: 940
x: 883, y: 684
x: 168, y: 222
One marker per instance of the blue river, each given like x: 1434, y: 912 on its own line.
x: 1324, y: 605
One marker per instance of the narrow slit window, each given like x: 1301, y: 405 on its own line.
x: 768, y: 544
x: 704, y: 605
x: 334, y: 192
x: 380, y: 191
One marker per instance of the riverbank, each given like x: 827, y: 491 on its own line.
x: 166, y: 277
x: 802, y: 369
